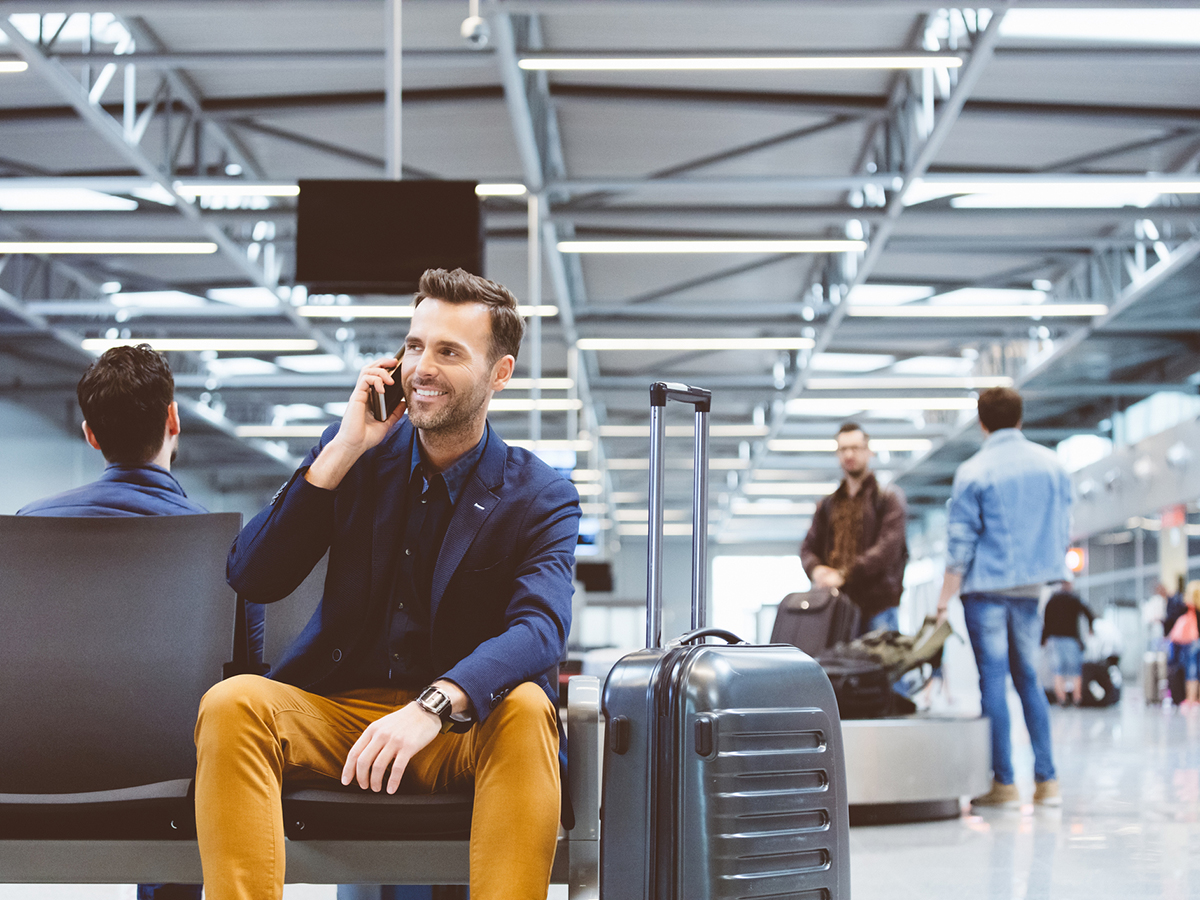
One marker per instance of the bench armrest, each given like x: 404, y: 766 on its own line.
x: 583, y: 755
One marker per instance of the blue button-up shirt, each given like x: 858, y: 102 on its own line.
x: 1009, y: 517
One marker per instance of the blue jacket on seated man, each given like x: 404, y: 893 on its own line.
x: 146, y: 490
x: 130, y: 415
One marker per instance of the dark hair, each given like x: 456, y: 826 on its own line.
x: 852, y: 426
x: 125, y: 395
x: 460, y: 286
x: 1000, y: 407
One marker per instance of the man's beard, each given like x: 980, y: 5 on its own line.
x: 458, y: 414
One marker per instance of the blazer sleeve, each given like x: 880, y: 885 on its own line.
x: 812, y: 548
x: 538, y: 614
x: 886, y: 552
x: 277, y: 549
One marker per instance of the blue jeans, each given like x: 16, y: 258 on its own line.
x: 888, y: 620
x: 1006, y: 637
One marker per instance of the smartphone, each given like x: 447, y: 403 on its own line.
x: 383, y: 404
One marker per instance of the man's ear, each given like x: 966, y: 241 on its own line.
x: 90, y: 437
x: 173, y: 419
x: 502, y: 371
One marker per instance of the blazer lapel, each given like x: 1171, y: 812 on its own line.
x: 479, y: 497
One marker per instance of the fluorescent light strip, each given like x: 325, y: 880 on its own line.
x: 1004, y: 183
x: 593, y: 509
x: 117, y: 248
x: 589, y: 489
x: 836, y: 406
x: 792, y: 489
x: 241, y: 345
x: 784, y: 343
x: 280, y: 431
x: 833, y: 246
x: 500, y: 190
x: 364, y: 311
x: 994, y: 311
x: 500, y: 404
x: 587, y: 475
x: 670, y: 529
x: 643, y: 431
x: 910, y: 382
x: 546, y: 384
x: 12, y: 66
x: 234, y: 189
x: 767, y: 508
x: 829, y: 445
x: 641, y: 464
x: 734, y: 63
x: 579, y: 446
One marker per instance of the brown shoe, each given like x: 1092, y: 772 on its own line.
x: 1045, y: 793
x: 1001, y: 796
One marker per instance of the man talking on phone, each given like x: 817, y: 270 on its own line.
x: 429, y: 664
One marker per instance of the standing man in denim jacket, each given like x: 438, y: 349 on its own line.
x: 1009, y: 528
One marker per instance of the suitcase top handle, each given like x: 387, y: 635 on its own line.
x: 698, y: 635
x: 662, y: 391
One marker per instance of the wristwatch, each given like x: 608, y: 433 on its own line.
x: 434, y: 700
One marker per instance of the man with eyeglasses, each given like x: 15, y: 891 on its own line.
x: 856, y: 542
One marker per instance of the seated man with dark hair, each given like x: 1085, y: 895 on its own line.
x: 130, y: 415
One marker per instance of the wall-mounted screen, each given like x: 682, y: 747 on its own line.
x: 377, y: 237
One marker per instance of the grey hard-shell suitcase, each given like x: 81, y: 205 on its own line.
x: 724, y: 775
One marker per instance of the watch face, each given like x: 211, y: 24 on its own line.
x: 436, y: 702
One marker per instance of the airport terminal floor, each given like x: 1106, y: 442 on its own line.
x: 1130, y: 777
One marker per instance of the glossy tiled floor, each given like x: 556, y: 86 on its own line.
x: 1129, y: 826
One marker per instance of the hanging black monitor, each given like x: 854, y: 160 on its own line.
x: 377, y: 237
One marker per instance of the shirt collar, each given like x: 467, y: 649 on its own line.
x: 868, y: 483
x: 146, y: 475
x: 456, y: 476
x: 1002, y: 436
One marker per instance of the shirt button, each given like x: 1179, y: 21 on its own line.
x: 407, y: 552
x: 399, y: 606
x: 395, y: 656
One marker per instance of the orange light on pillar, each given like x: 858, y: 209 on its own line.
x: 1076, y: 559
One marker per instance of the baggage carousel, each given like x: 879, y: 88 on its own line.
x: 914, y: 768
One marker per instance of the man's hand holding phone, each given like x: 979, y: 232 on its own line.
x: 361, y: 429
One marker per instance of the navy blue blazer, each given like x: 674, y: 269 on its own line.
x: 501, y: 600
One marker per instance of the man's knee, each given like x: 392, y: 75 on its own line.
x: 233, y: 699
x: 525, y: 708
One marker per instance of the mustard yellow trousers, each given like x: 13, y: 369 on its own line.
x: 253, y: 733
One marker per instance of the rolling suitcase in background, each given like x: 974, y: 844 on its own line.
x: 815, y: 620
x: 724, y: 775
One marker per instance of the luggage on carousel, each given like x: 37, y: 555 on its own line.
x: 724, y: 774
x: 815, y: 620
x: 1101, y: 683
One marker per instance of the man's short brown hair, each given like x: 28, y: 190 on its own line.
x: 125, y: 395
x: 460, y: 286
x: 847, y: 427
x: 1000, y: 407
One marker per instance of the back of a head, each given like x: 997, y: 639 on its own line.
x: 460, y: 286
x: 1191, y: 595
x: 125, y: 396
x: 1000, y: 407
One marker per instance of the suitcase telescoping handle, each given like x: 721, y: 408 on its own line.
x: 701, y: 399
